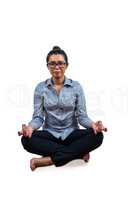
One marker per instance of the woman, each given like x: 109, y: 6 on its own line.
x: 59, y: 107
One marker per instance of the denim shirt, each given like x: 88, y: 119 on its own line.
x: 59, y: 114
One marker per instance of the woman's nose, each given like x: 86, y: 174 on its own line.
x: 57, y: 66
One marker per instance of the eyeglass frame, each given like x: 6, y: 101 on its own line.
x: 54, y: 64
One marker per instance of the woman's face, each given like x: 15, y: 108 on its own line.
x: 57, y: 65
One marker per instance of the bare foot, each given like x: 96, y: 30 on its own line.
x: 32, y: 164
x: 86, y: 157
x: 40, y: 162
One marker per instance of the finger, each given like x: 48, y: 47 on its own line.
x: 24, y: 127
x: 105, y: 129
x: 30, y: 135
x: 20, y: 133
x: 25, y: 130
x: 95, y: 128
x: 95, y: 131
x: 101, y: 127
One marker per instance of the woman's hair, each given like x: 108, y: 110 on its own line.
x: 57, y: 50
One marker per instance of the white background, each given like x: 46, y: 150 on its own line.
x: 98, y: 38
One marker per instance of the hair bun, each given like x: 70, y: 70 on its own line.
x: 56, y: 48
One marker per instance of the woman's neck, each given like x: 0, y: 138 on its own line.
x: 58, y: 81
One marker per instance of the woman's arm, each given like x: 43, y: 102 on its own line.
x: 81, y: 111
x: 38, y: 114
x: 82, y: 116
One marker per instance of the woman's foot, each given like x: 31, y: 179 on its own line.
x: 32, y: 164
x: 86, y: 157
x: 40, y: 162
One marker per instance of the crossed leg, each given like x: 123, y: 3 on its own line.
x: 57, y: 152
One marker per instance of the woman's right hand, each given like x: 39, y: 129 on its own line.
x: 26, y: 131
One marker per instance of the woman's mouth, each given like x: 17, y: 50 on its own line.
x: 57, y: 71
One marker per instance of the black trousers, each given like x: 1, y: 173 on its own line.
x: 78, y: 143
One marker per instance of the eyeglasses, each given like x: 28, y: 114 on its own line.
x: 53, y: 64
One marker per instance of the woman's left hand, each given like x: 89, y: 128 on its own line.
x: 98, y: 127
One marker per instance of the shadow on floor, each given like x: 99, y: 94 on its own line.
x: 76, y: 163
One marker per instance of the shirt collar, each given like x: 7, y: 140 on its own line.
x: 66, y: 81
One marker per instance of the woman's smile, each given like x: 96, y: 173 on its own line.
x: 57, y: 71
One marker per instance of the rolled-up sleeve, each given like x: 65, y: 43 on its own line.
x: 81, y: 111
x: 38, y: 114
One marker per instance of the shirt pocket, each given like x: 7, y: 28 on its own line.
x: 68, y: 102
x: 50, y: 102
